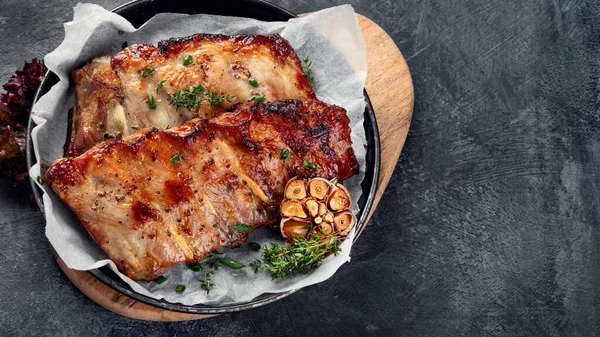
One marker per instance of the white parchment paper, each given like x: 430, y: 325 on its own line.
x: 331, y: 38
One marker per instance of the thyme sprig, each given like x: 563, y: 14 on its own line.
x: 299, y: 257
x: 206, y: 284
x: 195, y: 95
x: 160, y: 85
x: 146, y: 71
x: 198, y: 265
x: 192, y: 97
x: 308, y: 71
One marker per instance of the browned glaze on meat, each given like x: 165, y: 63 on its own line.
x: 163, y: 197
x: 112, y: 93
x: 97, y: 92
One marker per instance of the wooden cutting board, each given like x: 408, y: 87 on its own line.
x: 390, y: 89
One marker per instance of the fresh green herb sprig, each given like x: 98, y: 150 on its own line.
x: 40, y: 180
x: 310, y: 165
x: 334, y: 180
x: 243, y: 228
x: 284, y: 154
x: 146, y: 71
x: 253, y: 82
x: 176, y: 158
x: 254, y: 246
x: 187, y: 98
x: 198, y: 265
x: 188, y: 60
x: 308, y: 71
x: 206, y: 283
x: 151, y: 103
x: 195, y: 95
x: 258, y: 98
x: 160, y: 85
x: 230, y: 263
x: 214, y: 99
x: 299, y: 257
x: 194, y: 266
x: 161, y: 279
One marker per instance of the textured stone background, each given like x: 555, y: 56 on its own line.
x: 489, y: 226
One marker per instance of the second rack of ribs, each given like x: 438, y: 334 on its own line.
x: 163, y: 197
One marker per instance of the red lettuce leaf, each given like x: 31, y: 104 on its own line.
x: 15, y: 108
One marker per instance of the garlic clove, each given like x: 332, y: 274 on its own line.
x: 318, y: 188
x: 343, y: 222
x: 325, y: 228
x: 322, y: 209
x: 295, y: 189
x: 312, y: 206
x: 291, y: 209
x: 339, y: 198
x: 291, y: 227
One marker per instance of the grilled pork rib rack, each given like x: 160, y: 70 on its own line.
x: 162, y: 197
x: 118, y: 96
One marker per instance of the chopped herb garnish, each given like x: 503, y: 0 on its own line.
x: 176, y: 158
x: 160, y: 85
x: 123, y: 45
x: 187, y: 98
x: 300, y: 256
x: 198, y: 265
x: 306, y: 67
x: 254, y: 246
x: 233, y: 264
x: 216, y: 252
x: 160, y: 279
x: 284, y: 153
x: 257, y: 98
x: 146, y: 71
x: 40, y: 180
x: 151, y: 104
x: 242, y: 228
x: 213, y: 98
x: 229, y: 97
x: 179, y: 288
x: 253, y: 82
x: 206, y: 284
x: 187, y: 60
x: 334, y: 180
x: 194, y: 266
x: 195, y: 95
x: 311, y: 166
x: 205, y: 260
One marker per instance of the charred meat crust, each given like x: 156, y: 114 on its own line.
x: 279, y: 46
x: 97, y: 85
x: 134, y: 55
x: 163, y: 197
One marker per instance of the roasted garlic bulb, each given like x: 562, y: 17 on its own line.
x: 315, y: 206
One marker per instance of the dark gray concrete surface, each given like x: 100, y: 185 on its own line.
x: 489, y: 226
